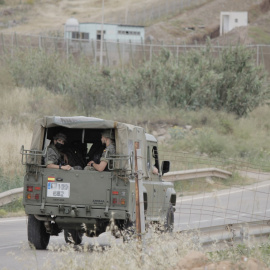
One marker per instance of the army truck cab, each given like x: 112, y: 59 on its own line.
x: 83, y: 202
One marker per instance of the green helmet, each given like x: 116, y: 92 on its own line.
x: 108, y: 133
x: 60, y: 136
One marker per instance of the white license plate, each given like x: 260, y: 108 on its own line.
x: 58, y: 190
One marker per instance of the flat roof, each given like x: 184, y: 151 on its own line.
x: 122, y: 25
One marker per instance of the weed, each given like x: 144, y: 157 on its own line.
x: 14, y: 206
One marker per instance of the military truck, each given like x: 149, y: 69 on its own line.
x: 83, y: 202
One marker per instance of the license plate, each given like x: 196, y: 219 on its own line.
x: 58, y: 190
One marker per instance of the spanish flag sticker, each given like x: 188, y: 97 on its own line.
x: 51, y: 179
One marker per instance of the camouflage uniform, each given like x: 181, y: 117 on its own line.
x: 54, y: 156
x: 107, y: 153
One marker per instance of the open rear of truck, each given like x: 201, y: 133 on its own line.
x: 82, y: 201
x: 78, y: 201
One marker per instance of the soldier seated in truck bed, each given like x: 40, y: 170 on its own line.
x: 56, y: 159
x: 107, y: 138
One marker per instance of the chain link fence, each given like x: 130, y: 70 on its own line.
x: 113, y: 53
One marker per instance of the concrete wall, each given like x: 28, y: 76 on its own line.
x: 230, y: 20
x: 112, y: 32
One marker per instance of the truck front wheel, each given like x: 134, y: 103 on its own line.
x: 73, y: 237
x: 169, y: 221
x: 37, y: 235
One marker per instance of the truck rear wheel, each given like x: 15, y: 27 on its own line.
x: 73, y: 237
x: 37, y: 235
x: 169, y: 221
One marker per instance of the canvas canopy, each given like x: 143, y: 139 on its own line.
x: 125, y: 134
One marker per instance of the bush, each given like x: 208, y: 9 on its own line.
x: 230, y: 81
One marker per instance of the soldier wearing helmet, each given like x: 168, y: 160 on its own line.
x: 55, y: 158
x: 107, y: 138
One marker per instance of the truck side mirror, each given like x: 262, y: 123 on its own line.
x: 165, y: 166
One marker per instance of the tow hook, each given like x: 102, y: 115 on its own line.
x: 74, y: 211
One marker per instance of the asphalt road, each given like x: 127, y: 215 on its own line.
x: 15, y: 252
x: 235, y: 205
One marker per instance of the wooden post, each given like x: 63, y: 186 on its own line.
x: 137, y: 196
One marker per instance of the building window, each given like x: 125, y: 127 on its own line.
x: 84, y: 35
x: 99, y: 34
x: 75, y: 35
x: 134, y: 33
x: 236, y: 20
x: 78, y: 35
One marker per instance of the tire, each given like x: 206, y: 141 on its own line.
x: 73, y: 237
x: 37, y: 235
x: 169, y: 221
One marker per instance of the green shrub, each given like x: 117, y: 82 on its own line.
x: 2, y: 213
x: 14, y: 206
x: 230, y: 81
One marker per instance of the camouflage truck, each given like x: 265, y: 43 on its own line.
x: 83, y: 202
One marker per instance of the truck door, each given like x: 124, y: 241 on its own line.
x: 157, y: 188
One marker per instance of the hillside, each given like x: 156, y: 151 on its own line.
x: 36, y: 16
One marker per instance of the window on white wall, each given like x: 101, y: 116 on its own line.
x: 134, y: 33
x: 78, y: 35
x: 75, y: 35
x: 99, y: 34
x: 84, y: 35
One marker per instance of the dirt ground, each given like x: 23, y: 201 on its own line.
x: 197, y: 260
x: 51, y: 15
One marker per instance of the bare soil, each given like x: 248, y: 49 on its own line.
x: 189, y: 26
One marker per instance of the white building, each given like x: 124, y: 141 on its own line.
x: 111, y: 32
x: 230, y: 20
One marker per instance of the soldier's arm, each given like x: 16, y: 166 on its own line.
x: 54, y: 166
x: 101, y: 166
x: 52, y: 157
x: 53, y: 160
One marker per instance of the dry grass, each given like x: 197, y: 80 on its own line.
x: 12, y: 138
x: 158, y: 251
x: 19, y: 108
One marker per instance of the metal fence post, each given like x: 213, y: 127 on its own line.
x: 94, y: 51
x: 67, y: 48
x: 3, y: 42
x: 119, y: 52
x: 12, y: 41
x: 131, y: 54
x: 150, y: 51
x: 257, y: 55
x: 107, y: 55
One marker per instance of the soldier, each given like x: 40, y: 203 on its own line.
x: 55, y: 159
x: 107, y: 138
